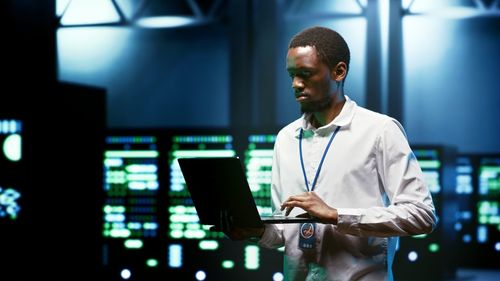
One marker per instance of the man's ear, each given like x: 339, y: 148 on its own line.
x: 339, y: 72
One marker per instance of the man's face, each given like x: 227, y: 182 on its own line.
x: 311, y: 80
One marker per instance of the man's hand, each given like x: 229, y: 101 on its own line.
x: 313, y: 205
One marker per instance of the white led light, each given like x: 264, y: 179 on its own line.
x: 413, y: 256
x: 278, y: 276
x: 125, y: 274
x: 12, y: 147
x: 200, y: 275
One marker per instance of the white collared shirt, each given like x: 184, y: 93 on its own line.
x: 370, y: 175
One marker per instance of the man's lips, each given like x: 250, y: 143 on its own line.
x: 301, y: 97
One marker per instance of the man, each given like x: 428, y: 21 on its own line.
x: 350, y: 168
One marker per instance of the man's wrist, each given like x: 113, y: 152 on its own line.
x: 334, y: 216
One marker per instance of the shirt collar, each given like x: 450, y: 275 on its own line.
x: 343, y: 119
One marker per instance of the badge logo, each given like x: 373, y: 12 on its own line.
x: 307, y: 230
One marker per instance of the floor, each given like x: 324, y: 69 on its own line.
x: 470, y: 274
x: 478, y: 274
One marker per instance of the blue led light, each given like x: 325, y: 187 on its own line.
x: 9, y: 206
x: 175, y: 256
x: 482, y: 234
x: 467, y: 238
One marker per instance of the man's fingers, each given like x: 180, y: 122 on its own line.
x: 294, y: 200
x: 300, y: 197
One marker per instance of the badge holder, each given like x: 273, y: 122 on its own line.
x: 307, y: 237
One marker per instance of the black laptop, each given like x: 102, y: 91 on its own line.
x: 219, y: 184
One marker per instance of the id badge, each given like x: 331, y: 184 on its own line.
x: 307, y: 237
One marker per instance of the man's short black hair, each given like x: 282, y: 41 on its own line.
x: 329, y: 44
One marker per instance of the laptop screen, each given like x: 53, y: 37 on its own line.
x: 219, y: 184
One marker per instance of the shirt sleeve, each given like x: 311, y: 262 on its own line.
x: 410, y: 210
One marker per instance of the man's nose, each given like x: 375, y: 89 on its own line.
x: 297, y: 84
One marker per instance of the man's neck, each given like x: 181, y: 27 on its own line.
x: 325, y: 117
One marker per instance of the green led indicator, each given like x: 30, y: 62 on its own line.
x: 261, y: 153
x: 429, y: 164
x: 420, y: 236
x: 203, y: 153
x: 209, y: 245
x: 142, y: 177
x: 493, y: 169
x: 177, y: 234
x: 426, y: 153
x: 152, y: 262
x: 131, y: 154
x: 494, y: 220
x: 227, y: 264
x: 193, y: 226
x: 120, y: 233
x: 252, y: 257
x: 133, y: 244
x: 483, y: 219
x: 198, y: 139
x: 194, y: 234
x: 176, y: 226
x: 180, y: 209
x: 434, y: 247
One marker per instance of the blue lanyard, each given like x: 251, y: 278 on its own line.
x: 320, y: 163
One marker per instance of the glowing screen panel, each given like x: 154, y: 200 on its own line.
x: 184, y: 222
x: 478, y: 216
x: 192, y: 249
x: 488, y: 206
x: 258, y: 164
x: 150, y: 222
x: 10, y: 157
x: 130, y: 212
x: 430, y: 161
x: 464, y: 190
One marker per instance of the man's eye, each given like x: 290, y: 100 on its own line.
x: 301, y: 74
